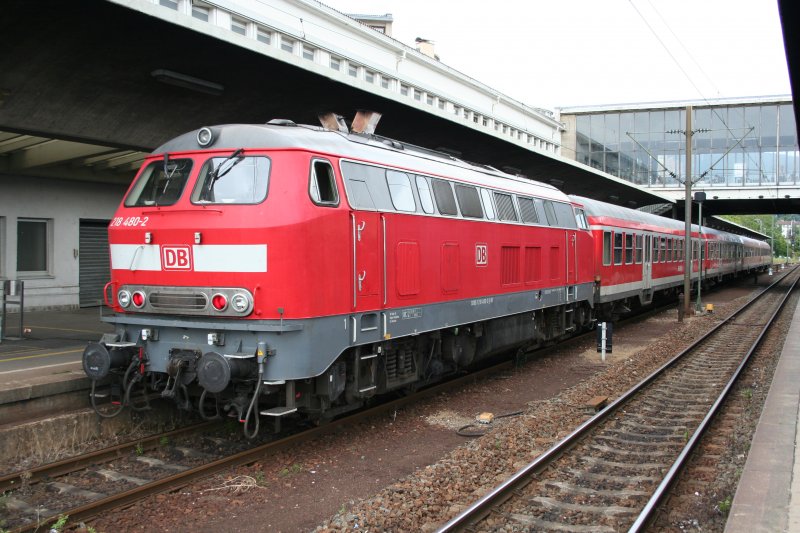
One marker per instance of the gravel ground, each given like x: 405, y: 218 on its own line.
x: 411, y: 471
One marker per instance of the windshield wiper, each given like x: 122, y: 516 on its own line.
x: 231, y: 161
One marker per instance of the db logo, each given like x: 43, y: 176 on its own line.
x: 176, y: 257
x: 481, y: 254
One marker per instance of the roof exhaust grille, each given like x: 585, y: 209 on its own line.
x: 365, y: 122
x: 333, y: 122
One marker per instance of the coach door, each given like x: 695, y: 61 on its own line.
x: 367, y: 259
x: 647, y: 263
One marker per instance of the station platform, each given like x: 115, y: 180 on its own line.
x: 768, y: 496
x: 40, y: 372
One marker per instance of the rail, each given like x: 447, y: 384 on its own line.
x: 505, y: 491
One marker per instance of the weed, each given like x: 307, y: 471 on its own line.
x: 497, y: 444
x: 685, y: 435
x: 261, y: 479
x: 747, y: 394
x: 163, y: 440
x: 139, y: 449
x: 59, y: 524
x: 284, y: 472
x: 725, y: 505
x: 296, y: 468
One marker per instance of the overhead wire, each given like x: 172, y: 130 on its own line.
x: 691, y: 81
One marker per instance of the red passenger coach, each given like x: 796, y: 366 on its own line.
x: 640, y: 255
x: 278, y: 269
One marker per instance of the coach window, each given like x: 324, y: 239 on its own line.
x: 160, y: 183
x: 607, y: 248
x: 505, y: 207
x: 639, y: 247
x: 237, y: 180
x: 445, y: 201
x: 618, y: 242
x: 669, y: 250
x: 486, y: 196
x: 663, y: 252
x: 628, y: 248
x: 655, y: 249
x: 424, y: 190
x: 400, y: 191
x: 527, y: 210
x: 469, y: 201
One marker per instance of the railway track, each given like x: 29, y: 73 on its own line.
x: 613, y: 471
x: 89, y: 484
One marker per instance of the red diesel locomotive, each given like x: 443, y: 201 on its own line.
x: 281, y: 268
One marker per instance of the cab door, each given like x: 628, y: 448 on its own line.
x: 572, y: 262
x: 367, y: 260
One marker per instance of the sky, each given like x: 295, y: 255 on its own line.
x: 565, y: 53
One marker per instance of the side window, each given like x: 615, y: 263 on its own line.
x: 663, y: 253
x: 580, y: 218
x: 550, y: 213
x: 565, y: 215
x: 322, y: 184
x: 607, y: 248
x: 639, y: 247
x: 400, y: 191
x: 469, y: 201
x: 527, y: 210
x: 505, y: 207
x: 487, y: 204
x: 618, y: 248
x: 424, y: 190
x: 445, y: 200
x: 628, y: 248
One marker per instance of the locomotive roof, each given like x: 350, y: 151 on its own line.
x: 368, y: 148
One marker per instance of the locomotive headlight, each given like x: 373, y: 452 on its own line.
x: 240, y: 303
x: 205, y: 137
x: 124, y: 298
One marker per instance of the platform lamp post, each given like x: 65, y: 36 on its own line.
x: 699, y: 197
x: 687, y: 209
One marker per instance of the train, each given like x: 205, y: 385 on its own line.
x: 263, y: 271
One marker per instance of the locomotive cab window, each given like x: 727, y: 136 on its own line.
x: 235, y: 179
x: 322, y: 184
x: 580, y: 218
x: 161, y: 183
x: 400, y: 191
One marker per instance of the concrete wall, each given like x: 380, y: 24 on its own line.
x: 64, y: 203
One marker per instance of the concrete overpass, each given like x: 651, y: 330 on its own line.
x: 85, y: 87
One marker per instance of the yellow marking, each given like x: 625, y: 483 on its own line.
x: 67, y: 329
x: 40, y: 355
